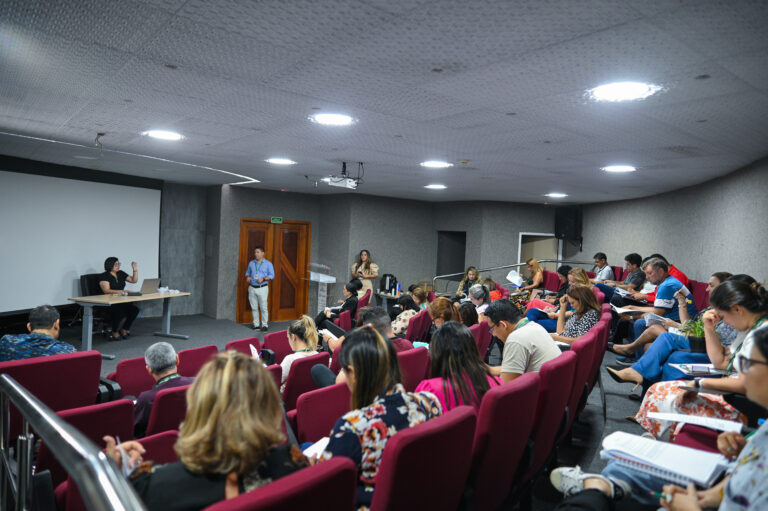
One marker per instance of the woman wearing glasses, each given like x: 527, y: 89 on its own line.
x: 112, y: 282
x: 744, y: 307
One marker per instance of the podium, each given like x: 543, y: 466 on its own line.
x: 322, y: 288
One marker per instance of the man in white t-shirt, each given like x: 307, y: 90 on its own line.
x: 527, y: 345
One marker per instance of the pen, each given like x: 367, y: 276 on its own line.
x: 664, y: 496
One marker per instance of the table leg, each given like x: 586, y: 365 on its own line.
x: 166, y: 322
x: 87, y: 335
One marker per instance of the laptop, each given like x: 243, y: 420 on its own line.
x: 148, y: 287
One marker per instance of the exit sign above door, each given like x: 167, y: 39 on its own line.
x: 277, y: 220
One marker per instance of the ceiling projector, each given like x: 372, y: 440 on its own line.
x: 344, y: 180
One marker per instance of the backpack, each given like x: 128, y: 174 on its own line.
x: 388, y: 283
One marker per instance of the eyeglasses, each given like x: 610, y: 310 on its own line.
x: 745, y: 363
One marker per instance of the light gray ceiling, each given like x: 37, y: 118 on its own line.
x: 498, y: 83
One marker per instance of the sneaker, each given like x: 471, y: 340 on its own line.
x: 570, y: 480
x: 254, y: 327
x: 626, y: 361
x: 264, y: 328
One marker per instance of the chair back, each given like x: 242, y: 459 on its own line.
x: 114, y: 418
x: 414, y: 366
x: 69, y: 380
x: 168, y: 410
x: 299, y: 378
x: 335, y: 364
x: 278, y: 342
x: 132, y: 376
x: 551, y: 281
x: 700, y: 295
x: 318, y: 410
x: 193, y: 359
x: 408, y: 478
x: 89, y: 284
x: 599, y: 295
x: 364, y: 301
x: 504, y: 290
x: 618, y: 271
x: 276, y: 371
x: 501, y: 437
x: 431, y: 296
x: 591, y: 274
x: 418, y: 326
x: 584, y: 347
x: 482, y: 334
x: 331, y: 485
x: 624, y: 275
x: 345, y: 320
x: 556, y: 380
x: 244, y: 345
x: 697, y: 437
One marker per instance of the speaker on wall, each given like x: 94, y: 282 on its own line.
x: 568, y: 223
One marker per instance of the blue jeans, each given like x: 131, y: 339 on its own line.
x: 607, y: 291
x: 642, y: 484
x: 652, y: 362
x: 537, y: 316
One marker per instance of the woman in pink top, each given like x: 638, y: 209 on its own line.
x: 459, y: 375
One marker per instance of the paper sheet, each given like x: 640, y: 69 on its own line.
x: 317, y: 448
x: 707, y: 422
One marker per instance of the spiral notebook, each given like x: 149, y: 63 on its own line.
x: 674, y: 463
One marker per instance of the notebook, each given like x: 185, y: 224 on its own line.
x: 675, y: 463
x: 622, y: 310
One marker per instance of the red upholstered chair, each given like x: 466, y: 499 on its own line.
x: 700, y: 295
x: 418, y: 326
x: 345, y: 321
x: 364, y: 301
x: 335, y: 364
x: 425, y: 467
x: 697, y: 437
x: 591, y: 274
x: 132, y: 376
x: 584, y: 347
x: 624, y: 275
x: 551, y: 281
x: 114, y: 418
x: 431, y: 295
x: 482, y: 334
x: 331, y: 485
x: 618, y: 271
x: 500, y: 439
x: 504, y: 291
x: 192, y: 359
x: 414, y: 365
x: 277, y: 373
x: 299, y: 378
x: 318, y: 410
x: 556, y: 376
x: 599, y: 295
x: 602, y: 330
x: 244, y: 345
x: 278, y: 342
x: 63, y: 381
x: 168, y: 410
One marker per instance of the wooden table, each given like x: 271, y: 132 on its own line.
x: 89, y: 302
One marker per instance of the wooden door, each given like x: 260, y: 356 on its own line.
x: 286, y: 246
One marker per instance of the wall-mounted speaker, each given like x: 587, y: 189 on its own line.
x: 568, y: 223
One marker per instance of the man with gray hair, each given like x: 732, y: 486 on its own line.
x: 161, y: 360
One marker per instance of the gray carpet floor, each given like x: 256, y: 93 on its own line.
x: 588, y: 431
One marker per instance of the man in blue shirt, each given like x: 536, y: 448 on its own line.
x: 40, y: 342
x: 260, y: 272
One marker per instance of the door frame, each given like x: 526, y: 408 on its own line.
x: 269, y: 252
x: 520, y: 243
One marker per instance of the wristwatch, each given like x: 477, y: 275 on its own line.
x: 697, y: 383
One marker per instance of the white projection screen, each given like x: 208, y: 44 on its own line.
x: 53, y: 230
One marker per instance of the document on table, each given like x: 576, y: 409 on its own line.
x: 698, y: 420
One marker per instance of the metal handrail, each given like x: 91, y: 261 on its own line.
x: 101, y: 484
x: 507, y: 266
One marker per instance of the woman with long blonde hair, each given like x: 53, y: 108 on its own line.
x: 303, y: 339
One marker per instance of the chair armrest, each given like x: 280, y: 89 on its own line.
x: 109, y: 390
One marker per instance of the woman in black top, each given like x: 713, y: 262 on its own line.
x: 324, y: 320
x: 112, y: 282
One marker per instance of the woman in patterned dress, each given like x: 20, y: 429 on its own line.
x: 586, y: 314
x: 380, y: 406
x: 744, y: 307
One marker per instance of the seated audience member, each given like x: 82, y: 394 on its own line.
x: 745, y: 308
x: 664, y: 304
x: 586, y: 314
x: 459, y: 376
x: 745, y: 485
x: 603, y: 271
x: 112, y: 282
x: 349, y: 304
x: 550, y: 300
x: 633, y: 283
x: 673, y: 270
x: 467, y: 314
x: 480, y: 297
x: 545, y: 314
x: 230, y: 442
x: 302, y: 336
x: 578, y: 276
x: 161, y: 360
x: 409, y: 309
x: 493, y: 287
x: 440, y: 311
x: 420, y: 297
x: 41, y: 340
x: 527, y: 346
x: 652, y: 332
x: 380, y: 407
x: 471, y: 277
x: 536, y: 281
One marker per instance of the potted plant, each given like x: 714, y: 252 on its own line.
x: 694, y: 331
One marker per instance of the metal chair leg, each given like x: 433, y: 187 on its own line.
x: 602, y: 394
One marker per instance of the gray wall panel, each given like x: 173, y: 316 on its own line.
x: 213, y: 228
x: 716, y: 226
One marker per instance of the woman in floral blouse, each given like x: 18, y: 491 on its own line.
x: 380, y: 407
x: 586, y: 313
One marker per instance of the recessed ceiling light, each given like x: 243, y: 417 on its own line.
x: 436, y: 164
x: 163, y: 135
x: 436, y: 187
x: 619, y: 168
x: 332, y: 119
x: 556, y: 195
x: 280, y: 161
x: 623, y: 91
